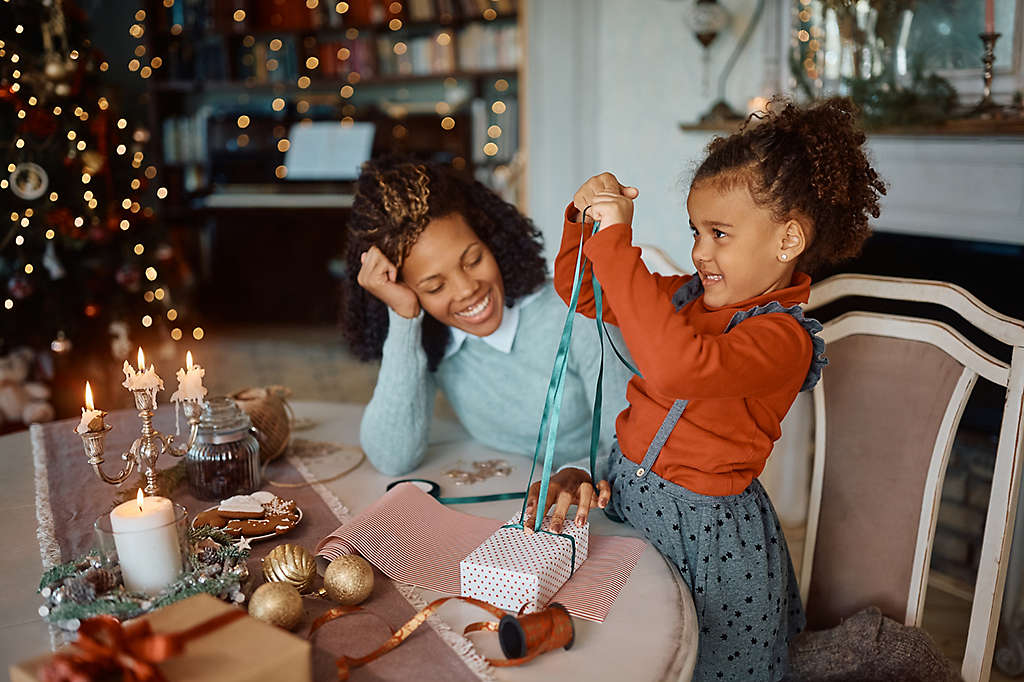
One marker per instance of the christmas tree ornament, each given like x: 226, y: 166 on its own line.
x: 55, y: 69
x: 129, y: 277
x: 52, y: 263
x: 291, y: 564
x: 19, y: 287
x: 61, y: 344
x: 279, y: 604
x: 29, y: 181
x: 348, y: 580
x: 93, y: 161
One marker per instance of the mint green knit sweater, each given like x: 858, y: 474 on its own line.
x: 498, y: 397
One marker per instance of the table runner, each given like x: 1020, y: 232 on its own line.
x: 69, y: 498
x: 415, y: 539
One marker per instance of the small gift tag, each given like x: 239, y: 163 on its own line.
x: 513, y: 568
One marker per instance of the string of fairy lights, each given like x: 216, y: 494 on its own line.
x: 136, y: 65
x: 80, y: 136
x: 352, y: 78
x: 809, y: 36
x: 132, y: 140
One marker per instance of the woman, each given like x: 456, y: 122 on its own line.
x: 447, y: 285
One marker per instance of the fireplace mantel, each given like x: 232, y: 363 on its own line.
x: 955, y: 187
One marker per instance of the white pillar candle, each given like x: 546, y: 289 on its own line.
x: 147, y: 543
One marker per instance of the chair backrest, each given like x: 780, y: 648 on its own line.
x: 886, y: 412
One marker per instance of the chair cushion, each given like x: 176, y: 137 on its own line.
x: 868, y: 647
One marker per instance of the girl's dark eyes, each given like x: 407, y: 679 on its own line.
x: 717, y: 234
x: 435, y: 289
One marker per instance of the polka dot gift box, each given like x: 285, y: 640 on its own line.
x: 512, y: 568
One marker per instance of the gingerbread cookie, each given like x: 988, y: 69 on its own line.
x: 241, y: 507
x: 210, y: 517
x: 260, y: 514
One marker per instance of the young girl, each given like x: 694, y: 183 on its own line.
x: 448, y: 287
x: 722, y: 356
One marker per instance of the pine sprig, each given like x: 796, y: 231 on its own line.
x: 118, y: 604
x: 182, y: 589
x: 57, y: 573
x: 215, y: 534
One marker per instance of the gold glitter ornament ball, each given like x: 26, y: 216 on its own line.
x: 348, y: 580
x: 290, y: 564
x: 278, y: 604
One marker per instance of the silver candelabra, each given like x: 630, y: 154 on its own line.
x: 148, y: 447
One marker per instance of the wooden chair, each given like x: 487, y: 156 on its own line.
x: 886, y: 412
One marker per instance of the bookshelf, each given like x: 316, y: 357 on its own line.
x: 439, y: 79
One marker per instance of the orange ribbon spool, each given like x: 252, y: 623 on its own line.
x: 107, y: 646
x: 522, y: 638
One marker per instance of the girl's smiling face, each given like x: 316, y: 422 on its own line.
x: 739, y: 250
x: 455, y: 276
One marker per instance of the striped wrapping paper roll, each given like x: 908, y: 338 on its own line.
x: 412, y: 538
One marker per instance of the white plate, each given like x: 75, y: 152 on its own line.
x: 254, y: 538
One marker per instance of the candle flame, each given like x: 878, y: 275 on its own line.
x: 138, y: 498
x: 142, y: 360
x: 88, y: 397
x: 188, y: 361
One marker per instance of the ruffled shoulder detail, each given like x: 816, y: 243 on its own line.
x: 690, y: 290
x: 813, y: 327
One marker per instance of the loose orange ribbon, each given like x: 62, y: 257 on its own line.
x: 536, y: 632
x: 107, y: 646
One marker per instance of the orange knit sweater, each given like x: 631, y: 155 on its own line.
x: 739, y: 385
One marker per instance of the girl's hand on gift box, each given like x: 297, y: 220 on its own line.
x: 379, y: 276
x: 611, y: 192
x: 567, y: 488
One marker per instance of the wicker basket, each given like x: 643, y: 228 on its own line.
x: 270, y: 417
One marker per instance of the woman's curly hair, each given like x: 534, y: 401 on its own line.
x: 804, y: 161
x: 396, y: 198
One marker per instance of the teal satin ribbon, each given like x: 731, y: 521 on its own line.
x: 481, y: 498
x: 435, y: 492
x: 553, y: 401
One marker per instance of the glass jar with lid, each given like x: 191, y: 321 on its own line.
x: 225, y: 458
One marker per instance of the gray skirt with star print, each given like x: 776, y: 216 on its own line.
x: 731, y: 552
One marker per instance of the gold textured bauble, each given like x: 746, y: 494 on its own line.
x: 290, y: 564
x: 278, y: 604
x: 348, y: 580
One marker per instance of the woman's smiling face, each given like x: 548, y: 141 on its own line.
x: 455, y: 276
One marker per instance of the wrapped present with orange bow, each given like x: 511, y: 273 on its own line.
x: 197, y: 639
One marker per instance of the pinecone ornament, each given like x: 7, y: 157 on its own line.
x: 79, y: 590
x: 101, y: 579
x: 207, y: 551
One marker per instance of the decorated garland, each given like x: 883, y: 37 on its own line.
x: 90, y: 586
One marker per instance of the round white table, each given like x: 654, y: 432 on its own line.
x: 650, y: 634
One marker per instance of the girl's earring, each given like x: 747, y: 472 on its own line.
x: 784, y: 256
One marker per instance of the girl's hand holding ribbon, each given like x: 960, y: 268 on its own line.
x: 379, y: 276
x: 567, y: 488
x: 606, y: 190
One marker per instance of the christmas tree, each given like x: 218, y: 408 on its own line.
x: 87, y: 271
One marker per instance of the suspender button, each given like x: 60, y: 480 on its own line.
x: 641, y: 471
